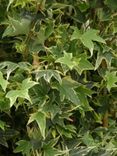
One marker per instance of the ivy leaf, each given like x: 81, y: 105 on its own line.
x: 10, y: 67
x: 2, y: 125
x: 14, y: 94
x: 107, y: 56
x: 9, y: 4
x: 83, y: 64
x: 111, y: 79
x: 87, y: 38
x: 27, y: 84
x: 22, y: 93
x: 3, y: 82
x: 24, y: 147
x: 67, y: 90
x: 48, y: 74
x: 40, y: 118
x: 51, y: 151
x: 67, y: 60
x: 17, y: 27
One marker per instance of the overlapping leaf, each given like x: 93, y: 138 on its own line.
x: 40, y: 118
x: 23, y: 92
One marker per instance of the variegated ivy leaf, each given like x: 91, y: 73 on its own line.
x: 48, y: 74
x: 40, y: 118
x: 87, y: 38
x: 10, y: 67
x: 22, y: 93
x: 17, y: 27
x: 111, y: 79
x: 3, y: 82
x: 67, y: 59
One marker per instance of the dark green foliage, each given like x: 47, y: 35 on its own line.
x: 58, y: 77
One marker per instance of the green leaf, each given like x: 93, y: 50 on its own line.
x: 2, y: 125
x: 3, y: 82
x: 51, y: 151
x: 76, y: 34
x: 67, y: 91
x: 111, y: 4
x: 111, y: 78
x: 24, y: 147
x: 9, y: 4
x: 14, y: 94
x: 17, y: 27
x: 89, y: 36
x: 88, y: 139
x: 9, y: 66
x: 22, y: 93
x: 83, y: 64
x: 27, y: 84
x: 40, y: 118
x: 48, y: 74
x: 67, y: 59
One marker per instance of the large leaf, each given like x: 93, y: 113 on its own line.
x: 40, y: 118
x: 111, y: 78
x: 3, y: 82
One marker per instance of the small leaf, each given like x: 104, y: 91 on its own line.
x: 24, y: 147
x: 111, y: 78
x: 3, y: 82
x: 40, y: 118
x: 67, y: 60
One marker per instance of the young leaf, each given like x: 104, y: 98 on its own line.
x: 67, y: 60
x: 3, y: 82
x: 40, y: 118
x: 111, y: 78
x: 24, y: 147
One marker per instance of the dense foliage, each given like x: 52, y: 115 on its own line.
x: 58, y: 77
